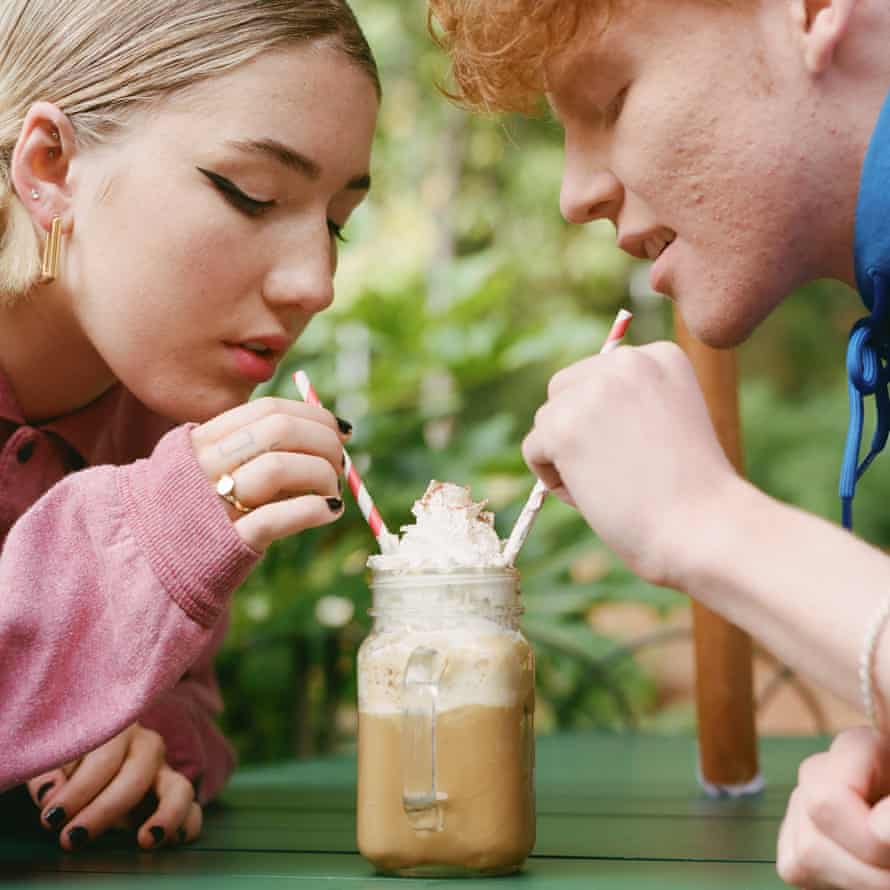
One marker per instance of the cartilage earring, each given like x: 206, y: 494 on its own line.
x: 50, y: 269
x: 35, y: 194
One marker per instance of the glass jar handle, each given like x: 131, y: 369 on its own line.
x: 420, y: 692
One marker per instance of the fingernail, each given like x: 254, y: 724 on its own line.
x: 345, y: 426
x: 41, y: 792
x: 181, y: 835
x: 55, y: 818
x: 78, y: 837
x: 336, y: 504
x: 157, y: 833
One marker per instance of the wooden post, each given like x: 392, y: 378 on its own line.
x: 727, y: 736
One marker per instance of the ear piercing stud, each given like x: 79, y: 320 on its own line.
x: 35, y: 194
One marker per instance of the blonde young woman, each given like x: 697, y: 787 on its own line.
x: 174, y: 176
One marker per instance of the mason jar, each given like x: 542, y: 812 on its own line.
x: 446, y: 748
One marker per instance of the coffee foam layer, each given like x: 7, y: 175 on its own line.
x: 479, y: 666
x: 451, y: 531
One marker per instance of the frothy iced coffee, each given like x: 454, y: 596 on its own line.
x: 446, y: 701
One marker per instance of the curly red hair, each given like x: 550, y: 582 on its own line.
x: 499, y: 48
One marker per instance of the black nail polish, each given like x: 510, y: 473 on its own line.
x: 181, y: 835
x: 157, y: 832
x: 41, y: 792
x: 55, y: 818
x: 336, y: 504
x: 78, y: 837
x: 345, y: 426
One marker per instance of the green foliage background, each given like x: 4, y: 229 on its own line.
x: 460, y: 293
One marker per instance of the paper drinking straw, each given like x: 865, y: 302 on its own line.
x: 536, y: 499
x: 385, y: 538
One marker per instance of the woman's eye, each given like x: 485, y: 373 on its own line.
x: 234, y: 195
x: 336, y: 231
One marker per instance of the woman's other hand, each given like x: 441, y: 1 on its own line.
x: 125, y: 783
x: 285, y: 458
x: 836, y: 832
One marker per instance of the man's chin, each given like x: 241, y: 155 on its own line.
x: 723, y: 340
x: 719, y: 331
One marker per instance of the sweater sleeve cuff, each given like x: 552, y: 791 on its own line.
x: 184, y: 529
x: 194, y: 747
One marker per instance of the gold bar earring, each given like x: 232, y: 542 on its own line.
x: 50, y: 269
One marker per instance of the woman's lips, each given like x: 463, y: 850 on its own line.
x: 252, y: 365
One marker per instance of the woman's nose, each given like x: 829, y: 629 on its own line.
x: 303, y: 279
x: 589, y: 190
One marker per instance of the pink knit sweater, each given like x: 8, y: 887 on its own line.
x: 116, y: 568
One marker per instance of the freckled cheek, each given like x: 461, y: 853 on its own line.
x: 655, y: 159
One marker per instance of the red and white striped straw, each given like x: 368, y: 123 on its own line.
x: 618, y: 330
x: 536, y: 499
x: 385, y: 538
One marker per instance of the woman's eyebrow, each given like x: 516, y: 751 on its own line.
x: 292, y: 159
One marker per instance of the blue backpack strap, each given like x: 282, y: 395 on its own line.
x: 868, y: 370
x: 869, y: 347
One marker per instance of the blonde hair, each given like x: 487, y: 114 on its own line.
x: 101, y: 60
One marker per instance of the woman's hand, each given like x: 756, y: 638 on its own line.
x: 124, y: 783
x: 836, y: 833
x: 626, y: 438
x: 285, y: 457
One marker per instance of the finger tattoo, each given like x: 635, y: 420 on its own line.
x: 238, y: 446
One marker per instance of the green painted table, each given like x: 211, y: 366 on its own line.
x: 614, y: 811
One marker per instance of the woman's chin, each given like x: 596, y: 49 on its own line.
x: 195, y: 406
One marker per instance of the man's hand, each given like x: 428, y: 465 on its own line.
x: 626, y: 438
x: 110, y: 787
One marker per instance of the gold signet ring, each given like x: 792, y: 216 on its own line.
x: 225, y: 488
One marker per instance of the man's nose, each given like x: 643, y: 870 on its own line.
x: 590, y: 191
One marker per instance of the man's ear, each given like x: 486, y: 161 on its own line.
x: 821, y: 25
x: 41, y: 162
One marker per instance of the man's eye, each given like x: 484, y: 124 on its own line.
x: 616, y: 106
x: 234, y: 195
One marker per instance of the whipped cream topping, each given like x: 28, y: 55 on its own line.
x: 452, y: 531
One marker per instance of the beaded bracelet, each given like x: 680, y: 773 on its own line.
x: 867, y: 658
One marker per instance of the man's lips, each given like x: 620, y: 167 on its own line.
x: 646, y: 244
x: 658, y: 273
x: 655, y: 247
